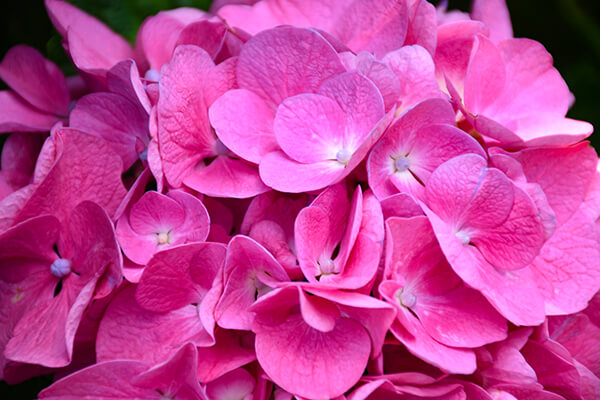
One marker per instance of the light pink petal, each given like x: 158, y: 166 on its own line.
x: 16, y: 115
x: 362, y: 102
x: 158, y: 35
x: 115, y: 119
x: 320, y: 314
x: 486, y: 76
x: 244, y: 123
x: 422, y: 25
x: 284, y: 62
x: 184, y: 133
x: 513, y: 293
x: 378, y: 27
x: 494, y: 14
x: 246, y: 265
x: 400, y: 205
x: 361, y: 266
x: 339, y: 355
x: 354, y: 224
x: 207, y: 35
x: 77, y: 176
x: 196, y: 224
x: 235, y: 384
x: 312, y: 234
x: 310, y: 128
x: 227, y: 177
x: 154, y: 213
x: 37, y: 80
x: 167, y: 282
x: 411, y: 333
x: 138, y: 248
x: 568, y: 266
x: 282, y: 173
x: 128, y: 331
x: 565, y: 180
x: 415, y: 71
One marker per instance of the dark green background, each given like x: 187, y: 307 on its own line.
x: 570, y: 30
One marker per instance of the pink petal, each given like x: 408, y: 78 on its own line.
x: 235, y: 384
x: 124, y: 79
x: 246, y: 264
x: 92, y: 45
x: 495, y: 15
x: 282, y: 173
x: 184, y: 132
x: 340, y: 355
x: 18, y: 116
x: 114, y: 119
x: 207, y: 35
x: 84, y: 170
x: 284, y: 62
x: 167, y: 283
x: 125, y: 327
x: 37, y: 80
x: 244, y: 123
x: 227, y: 177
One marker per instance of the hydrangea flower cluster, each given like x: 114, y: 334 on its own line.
x: 315, y: 199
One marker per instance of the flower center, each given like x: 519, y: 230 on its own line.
x: 406, y: 298
x: 327, y: 267
x: 152, y: 75
x: 343, y: 156
x: 463, y: 237
x: 61, y: 267
x: 401, y: 164
x: 163, y: 238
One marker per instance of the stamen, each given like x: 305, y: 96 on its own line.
x: 343, y: 156
x: 463, y: 237
x: 61, y: 267
x: 163, y: 238
x: 401, y: 164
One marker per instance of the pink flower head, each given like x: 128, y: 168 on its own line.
x: 46, y: 293
x: 414, y: 146
x: 489, y: 231
x: 157, y: 222
x: 300, y: 329
x: 439, y: 318
x: 339, y: 243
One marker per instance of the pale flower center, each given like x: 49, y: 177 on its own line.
x: 406, y: 298
x: 401, y: 164
x: 463, y: 237
x: 327, y: 267
x: 343, y: 156
x: 61, y: 267
x: 163, y: 238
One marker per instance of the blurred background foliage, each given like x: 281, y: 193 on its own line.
x: 570, y: 30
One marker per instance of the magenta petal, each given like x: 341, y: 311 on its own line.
x: 227, y: 177
x: 37, y: 80
x: 103, y: 381
x: 184, y: 133
x: 282, y: 173
x: 18, y: 116
x: 244, y: 123
x: 154, y: 213
x: 266, y: 61
x: 167, y: 283
x: 246, y: 264
x: 231, y: 351
x: 115, y: 119
x: 124, y: 79
x: 207, y: 35
x: 123, y: 331
x: 312, y: 236
x: 92, y: 45
x: 339, y: 355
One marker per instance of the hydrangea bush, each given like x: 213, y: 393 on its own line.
x: 308, y: 199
